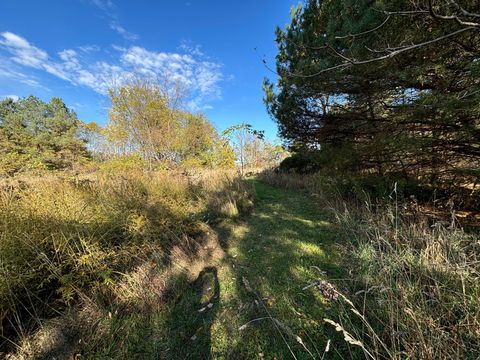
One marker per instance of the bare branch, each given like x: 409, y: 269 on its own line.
x: 467, y: 94
x: 364, y: 32
x: 433, y: 14
x: 391, y: 51
x: 463, y: 11
x: 405, y: 13
x: 450, y: 17
x: 340, y: 55
x: 391, y: 54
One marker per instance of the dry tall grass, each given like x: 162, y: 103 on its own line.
x: 69, y: 244
x: 414, y: 285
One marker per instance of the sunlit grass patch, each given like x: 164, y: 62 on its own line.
x: 275, y: 249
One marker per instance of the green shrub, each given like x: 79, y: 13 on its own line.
x: 301, y: 163
x: 124, y: 163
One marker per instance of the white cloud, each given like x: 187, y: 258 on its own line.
x: 192, y: 68
x: 105, y: 5
x: 68, y: 55
x: 13, y: 97
x: 9, y: 69
x: 89, y: 48
x: 26, y: 54
x: 23, y: 52
x: 190, y: 48
x: 34, y: 83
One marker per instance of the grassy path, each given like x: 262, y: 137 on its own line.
x: 275, y: 249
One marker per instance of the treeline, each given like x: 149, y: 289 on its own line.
x: 148, y: 126
x: 384, y: 89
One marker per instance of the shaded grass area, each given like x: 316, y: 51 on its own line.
x: 88, y: 262
x: 412, y: 289
x: 277, y: 250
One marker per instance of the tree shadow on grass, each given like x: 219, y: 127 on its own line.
x: 192, y: 317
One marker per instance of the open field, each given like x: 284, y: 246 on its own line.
x: 189, y: 268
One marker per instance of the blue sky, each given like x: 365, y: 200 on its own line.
x: 75, y: 49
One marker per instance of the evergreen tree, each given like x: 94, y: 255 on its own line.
x: 386, y: 87
x: 35, y: 134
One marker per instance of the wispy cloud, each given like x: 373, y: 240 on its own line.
x: 105, y: 5
x: 108, y: 9
x: 23, y: 52
x: 190, y: 67
x: 26, y: 54
x: 193, y: 69
x: 196, y: 72
x: 10, y: 70
x: 114, y: 25
x: 34, y: 83
x: 89, y: 48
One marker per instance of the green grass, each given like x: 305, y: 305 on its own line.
x: 276, y: 249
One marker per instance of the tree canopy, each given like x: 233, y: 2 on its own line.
x: 251, y: 148
x: 36, y: 134
x: 389, y: 88
x: 147, y: 119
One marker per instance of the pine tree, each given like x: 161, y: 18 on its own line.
x: 389, y: 88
